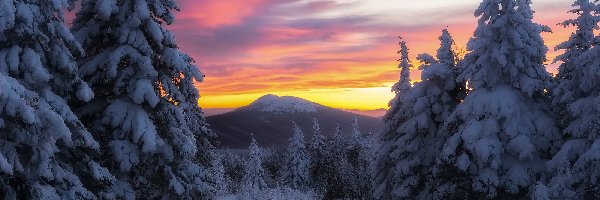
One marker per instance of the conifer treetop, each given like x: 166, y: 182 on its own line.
x: 506, y: 48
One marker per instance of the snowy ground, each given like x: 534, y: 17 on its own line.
x: 273, y: 194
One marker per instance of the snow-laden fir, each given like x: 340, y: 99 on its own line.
x: 42, y: 141
x: 153, y: 137
x: 253, y: 180
x: 297, y: 166
x: 395, y: 116
x: 425, y: 107
x: 575, y: 168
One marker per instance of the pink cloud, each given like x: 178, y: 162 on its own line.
x: 277, y: 45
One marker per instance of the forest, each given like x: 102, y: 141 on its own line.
x: 106, y: 108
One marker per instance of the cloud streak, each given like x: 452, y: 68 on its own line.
x: 265, y: 46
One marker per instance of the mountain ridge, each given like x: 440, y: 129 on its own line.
x: 268, y: 119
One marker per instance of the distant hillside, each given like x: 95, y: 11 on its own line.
x: 268, y: 118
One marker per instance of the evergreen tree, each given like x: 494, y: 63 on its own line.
x: 396, y: 115
x: 579, y: 42
x: 338, y: 144
x: 145, y: 114
x: 431, y: 102
x: 220, y: 179
x: 359, y: 156
x: 576, y: 167
x: 502, y: 131
x: 569, y: 71
x: 235, y: 169
x: 402, y: 87
x: 44, y: 148
x: 318, y: 139
x: 571, y: 100
x: 355, y: 134
x: 336, y: 166
x: 540, y: 192
x: 318, y: 154
x: 253, y: 180
x: 296, y: 174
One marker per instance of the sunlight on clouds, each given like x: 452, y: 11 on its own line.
x: 339, y: 53
x: 345, y: 98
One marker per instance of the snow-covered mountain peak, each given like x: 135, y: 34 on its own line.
x: 283, y: 104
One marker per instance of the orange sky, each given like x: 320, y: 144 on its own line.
x: 339, y: 53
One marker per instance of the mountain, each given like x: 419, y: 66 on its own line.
x: 268, y: 119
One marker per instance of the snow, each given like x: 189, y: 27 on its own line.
x: 144, y: 91
x: 85, y: 93
x: 125, y: 154
x: 7, y: 15
x: 5, y: 167
x: 273, y: 193
x: 540, y: 192
x: 281, y: 105
x: 100, y: 173
x: 104, y: 8
x: 132, y: 119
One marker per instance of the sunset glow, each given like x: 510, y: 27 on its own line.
x: 339, y: 53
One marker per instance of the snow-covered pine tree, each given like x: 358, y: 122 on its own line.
x: 337, y: 142
x: 539, y: 192
x: 253, y: 180
x: 219, y: 178
x: 580, y: 41
x: 235, y: 169
x: 396, y: 115
x: 430, y: 102
x: 45, y: 149
x: 318, y: 152
x: 576, y: 166
x: 145, y: 114
x: 360, y: 159
x: 570, y: 97
x: 502, y: 131
x: 336, y: 169
x: 296, y: 174
x: 402, y: 87
x: 318, y: 139
x: 355, y: 144
x: 355, y: 132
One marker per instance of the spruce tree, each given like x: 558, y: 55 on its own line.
x: 296, y: 173
x: 396, y: 115
x: 430, y: 103
x: 253, y: 180
x: 318, y: 139
x: 569, y: 71
x: 45, y: 150
x: 318, y: 152
x: 571, y: 99
x: 359, y: 156
x: 337, y: 168
x: 145, y: 115
x: 400, y: 88
x: 576, y: 166
x: 502, y: 131
x: 220, y: 179
x: 355, y: 132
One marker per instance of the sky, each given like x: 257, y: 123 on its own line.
x: 339, y: 53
